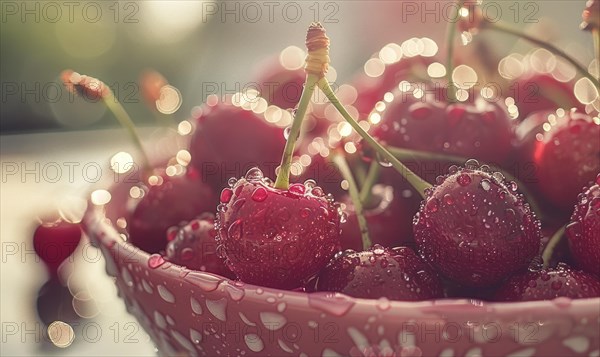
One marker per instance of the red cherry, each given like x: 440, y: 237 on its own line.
x: 564, y: 150
x: 172, y: 200
x: 478, y: 128
x: 396, y: 274
x: 373, y: 89
x: 389, y: 218
x: 194, y: 246
x: 475, y: 229
x: 277, y: 238
x: 584, y: 230
x: 535, y: 91
x: 548, y: 284
x: 55, y: 242
x: 279, y: 85
x: 229, y: 140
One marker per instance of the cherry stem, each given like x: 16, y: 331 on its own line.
x: 407, y: 154
x: 342, y: 165
x: 372, y: 176
x: 551, y: 246
x: 418, y: 183
x: 450, y: 41
x: 596, y: 38
x: 503, y: 28
x: 124, y: 119
x: 283, y: 178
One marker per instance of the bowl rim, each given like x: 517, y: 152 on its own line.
x: 95, y: 220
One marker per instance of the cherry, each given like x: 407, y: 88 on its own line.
x: 194, y: 246
x: 536, y: 91
x: 276, y: 237
x: 373, y: 89
x: 474, y: 228
x: 420, y: 118
x: 396, y: 273
x: 55, y: 302
x: 279, y: 83
x: 230, y: 140
x: 564, y: 150
x: 584, y: 230
x: 547, y: 284
x: 54, y: 242
x: 168, y: 200
x: 388, y: 215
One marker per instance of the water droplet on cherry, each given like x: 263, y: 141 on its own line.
x: 260, y: 194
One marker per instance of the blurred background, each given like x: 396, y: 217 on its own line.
x: 201, y: 48
x: 198, y: 45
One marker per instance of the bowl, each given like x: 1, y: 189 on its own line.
x: 196, y: 313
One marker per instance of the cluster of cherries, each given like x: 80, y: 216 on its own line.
x: 473, y: 234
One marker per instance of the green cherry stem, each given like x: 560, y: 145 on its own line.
x: 450, y: 42
x: 552, y: 243
x: 596, y: 39
x: 283, y: 178
x: 408, y: 154
x: 342, y: 165
x: 418, y: 183
x: 124, y: 119
x: 372, y: 176
x: 503, y: 28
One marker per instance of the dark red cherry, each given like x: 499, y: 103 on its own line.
x: 547, y: 284
x: 55, y: 302
x: 389, y: 218
x: 564, y: 149
x: 535, y: 92
x: 229, y: 140
x: 584, y: 230
x: 168, y: 200
x: 194, y: 246
x: 475, y: 229
x: 280, y: 80
x: 396, y: 273
x: 420, y: 118
x: 276, y: 238
x: 54, y: 242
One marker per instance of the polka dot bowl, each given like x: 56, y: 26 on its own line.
x: 195, y: 313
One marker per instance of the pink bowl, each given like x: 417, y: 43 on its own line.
x: 195, y: 313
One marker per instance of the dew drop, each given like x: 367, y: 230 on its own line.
x: 383, y: 162
x: 232, y: 181
x: 165, y: 294
x: 498, y: 177
x: 196, y: 307
x: 238, y: 204
x: 260, y: 194
x: 453, y: 169
x: 235, y: 293
x: 463, y: 179
x: 472, y: 164
x: 317, y: 192
x: 254, y: 174
x: 155, y: 260
x: 513, y: 186
x: 305, y: 212
x: 485, y: 184
x: 433, y: 205
x: 448, y: 199
x: 286, y: 132
x: 226, y: 195
x: 297, y: 189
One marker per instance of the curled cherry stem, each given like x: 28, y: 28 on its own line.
x: 344, y: 168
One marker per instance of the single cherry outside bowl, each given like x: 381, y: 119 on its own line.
x: 196, y: 313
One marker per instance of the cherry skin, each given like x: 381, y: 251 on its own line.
x: 389, y: 218
x: 535, y: 92
x: 276, y: 238
x: 477, y: 129
x: 396, y: 273
x: 564, y: 150
x: 229, y: 140
x: 55, y: 242
x: 174, y: 200
x: 547, y: 284
x: 475, y: 229
x: 584, y: 230
x: 279, y: 85
x: 194, y: 246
